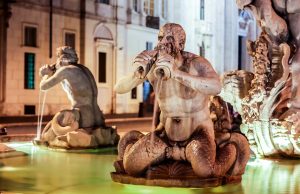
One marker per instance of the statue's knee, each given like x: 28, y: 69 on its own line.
x: 128, y: 160
x: 200, y: 159
x: 145, y: 152
x: 129, y: 138
x: 200, y: 150
x: 227, y: 152
x: 242, y: 145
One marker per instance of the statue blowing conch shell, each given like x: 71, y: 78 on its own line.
x: 184, y: 149
x: 269, y: 98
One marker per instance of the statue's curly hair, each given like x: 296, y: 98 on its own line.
x: 67, y: 54
x: 177, y: 30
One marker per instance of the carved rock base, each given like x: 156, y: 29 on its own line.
x: 8, y: 152
x: 171, y: 174
x: 98, y: 149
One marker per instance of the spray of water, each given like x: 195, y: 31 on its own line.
x: 155, y: 109
x: 40, y: 114
x: 228, y: 113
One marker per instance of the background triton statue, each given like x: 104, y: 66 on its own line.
x: 185, y: 136
x: 83, y: 125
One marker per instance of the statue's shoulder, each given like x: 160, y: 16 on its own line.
x: 194, y: 59
x: 188, y: 55
x: 73, y: 67
x: 80, y: 66
x: 70, y: 69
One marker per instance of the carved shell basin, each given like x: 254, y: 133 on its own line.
x: 272, y: 138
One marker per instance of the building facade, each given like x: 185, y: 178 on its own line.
x: 107, y: 35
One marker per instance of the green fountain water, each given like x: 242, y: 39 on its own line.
x: 43, y: 171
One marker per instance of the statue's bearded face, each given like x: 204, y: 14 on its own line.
x: 171, y: 39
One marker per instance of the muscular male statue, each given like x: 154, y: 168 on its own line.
x: 83, y: 125
x: 79, y: 84
x: 186, y: 131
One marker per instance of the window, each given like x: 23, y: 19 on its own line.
x: 146, y: 90
x: 202, y: 10
x: 149, y: 46
x: 70, y: 39
x: 134, y: 93
x: 30, y: 33
x: 240, y: 53
x: 149, y: 7
x: 202, y: 50
x: 101, y: 67
x: 29, y: 71
x: 164, y: 8
x: 103, y: 1
x: 135, y: 5
x: 29, y: 109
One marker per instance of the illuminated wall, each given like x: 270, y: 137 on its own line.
x: 119, y: 33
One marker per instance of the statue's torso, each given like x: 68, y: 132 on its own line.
x: 78, y: 87
x: 183, y: 108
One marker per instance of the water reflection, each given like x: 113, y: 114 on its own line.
x: 46, y: 171
x: 276, y: 176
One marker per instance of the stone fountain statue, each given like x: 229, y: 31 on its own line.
x: 82, y: 126
x: 269, y: 98
x: 183, y: 149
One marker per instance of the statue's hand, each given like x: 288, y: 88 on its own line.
x: 46, y: 70
x: 144, y: 62
x: 165, y: 66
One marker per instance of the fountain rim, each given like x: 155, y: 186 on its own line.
x: 175, y: 182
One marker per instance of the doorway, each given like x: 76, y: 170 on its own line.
x: 104, y: 75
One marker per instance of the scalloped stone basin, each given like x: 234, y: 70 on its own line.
x: 45, y: 171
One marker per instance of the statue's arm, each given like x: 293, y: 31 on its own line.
x: 127, y: 83
x: 48, y: 81
x: 201, y: 77
x: 142, y: 68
